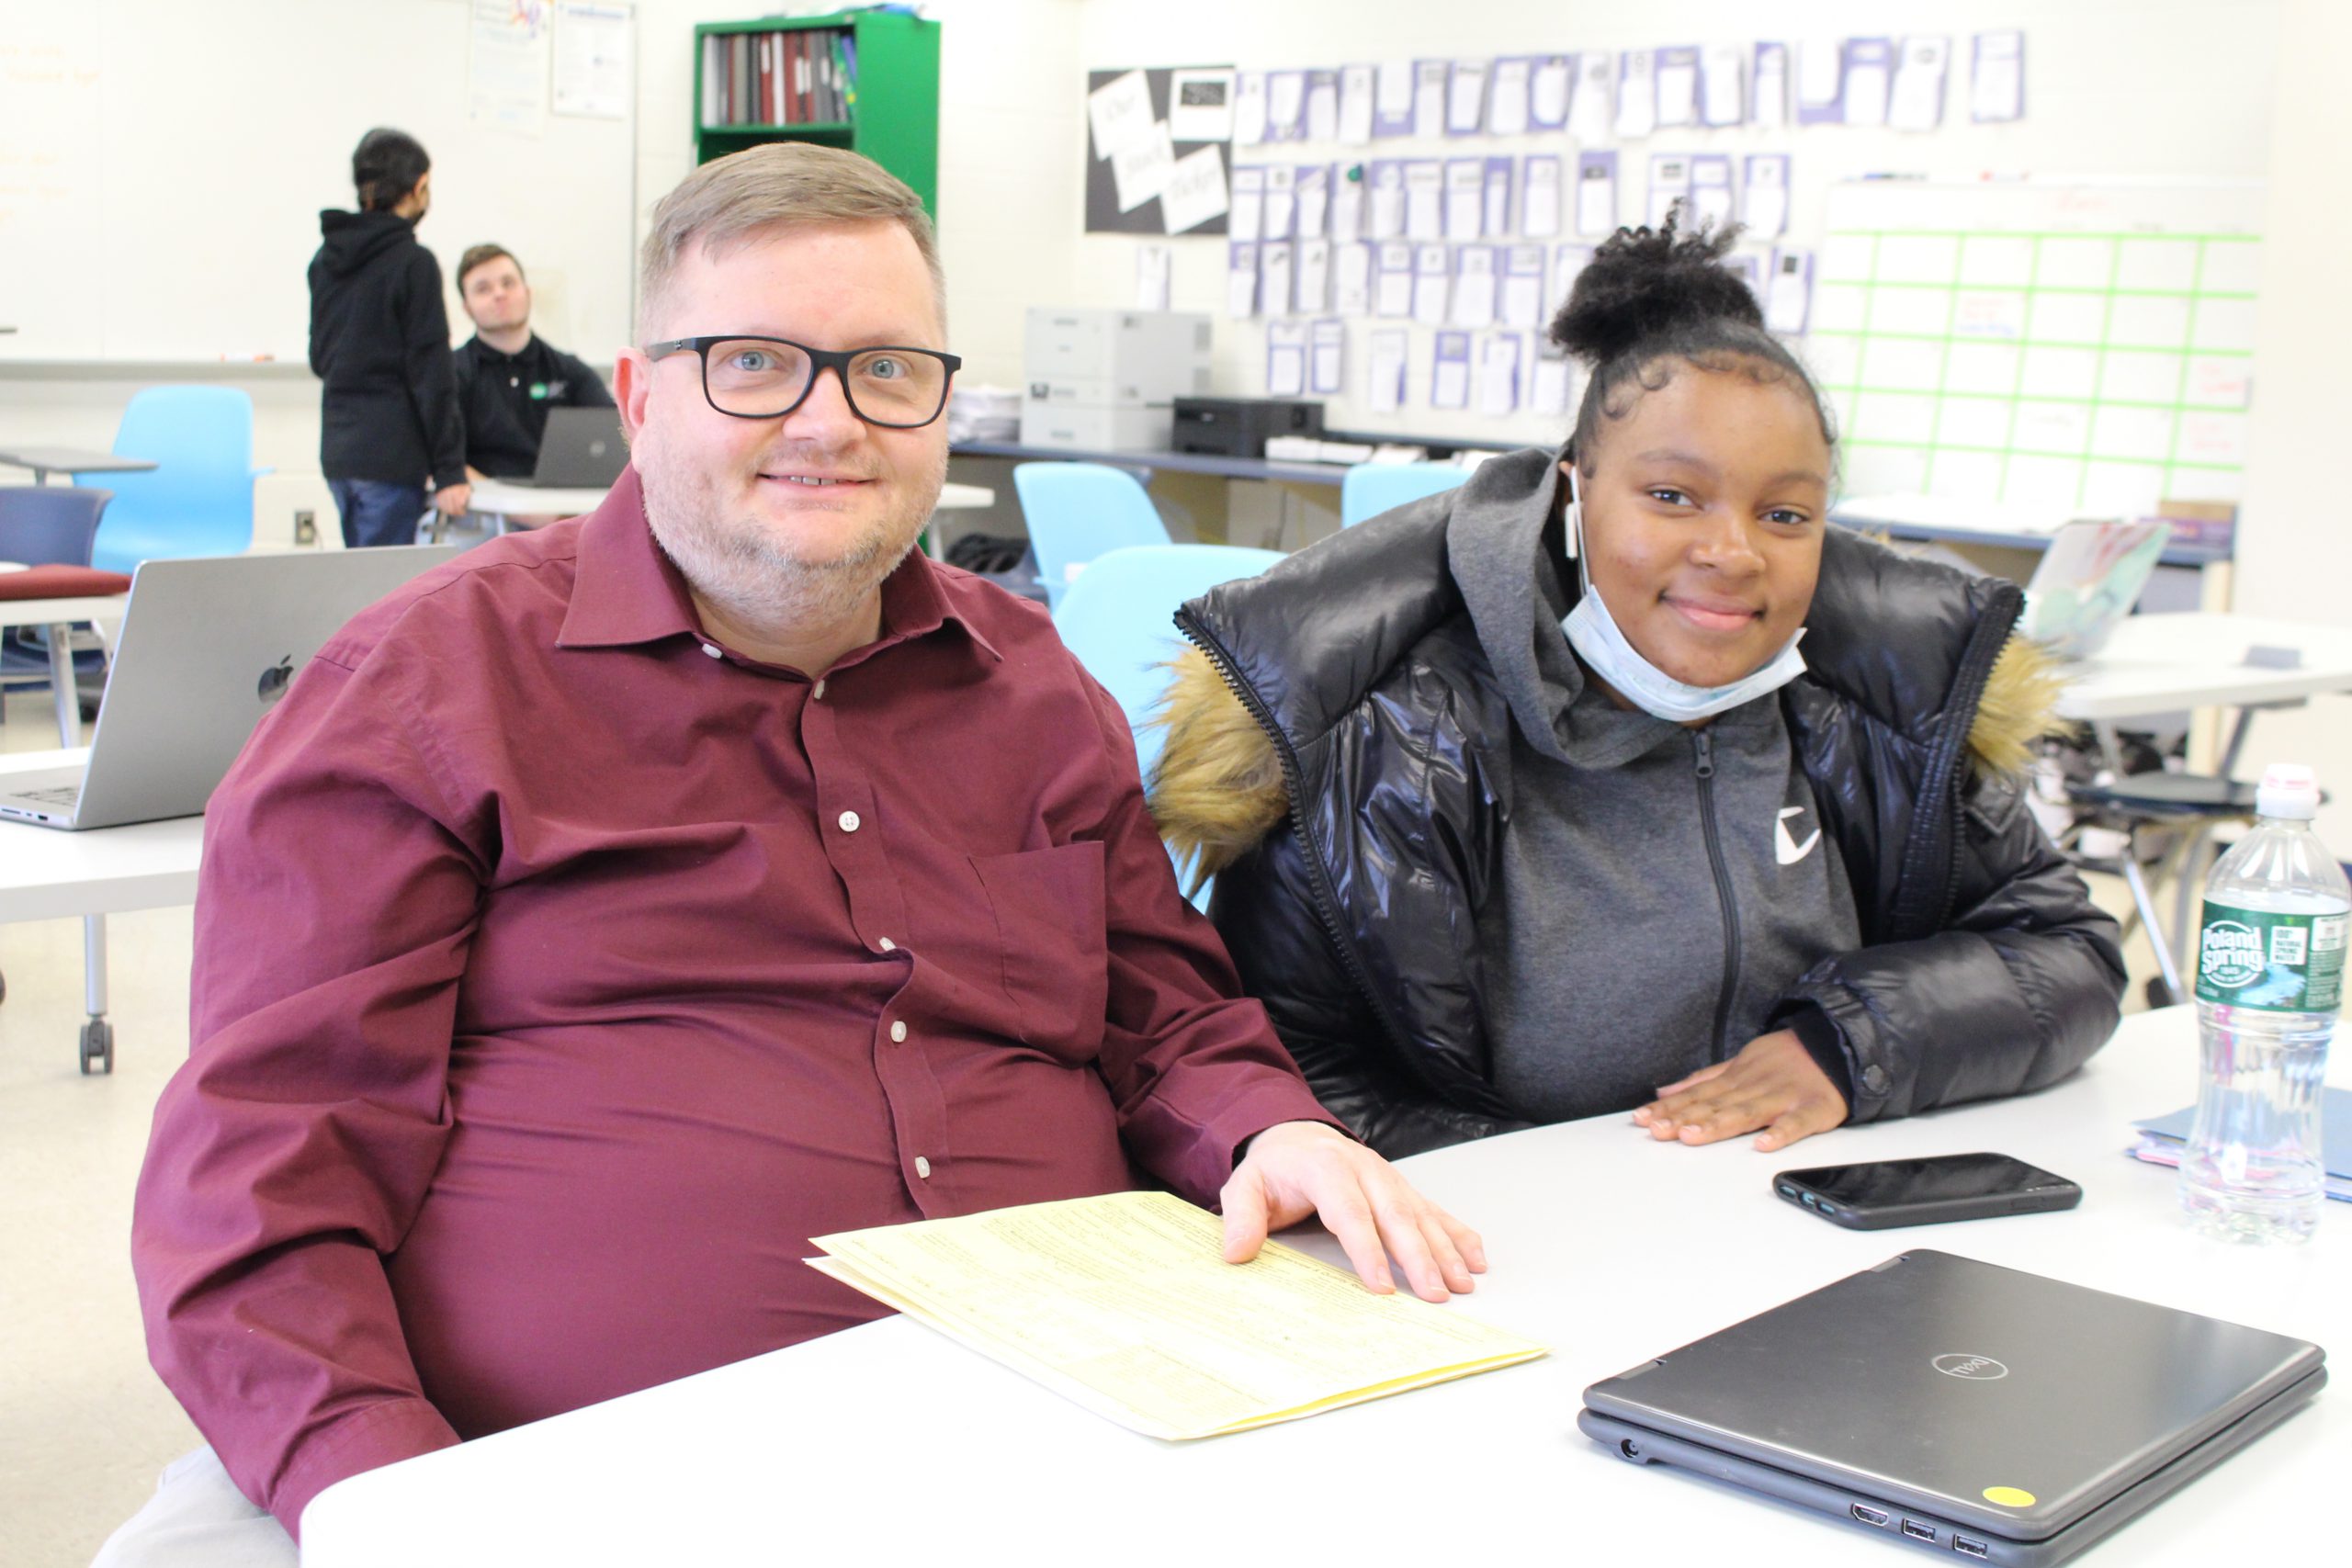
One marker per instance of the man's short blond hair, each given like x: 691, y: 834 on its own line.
x: 780, y: 185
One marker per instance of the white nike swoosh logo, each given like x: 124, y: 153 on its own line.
x: 1785, y: 849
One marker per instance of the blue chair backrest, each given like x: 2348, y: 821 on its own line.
x: 50, y: 525
x: 200, y: 499
x: 1119, y: 618
x: 1371, y: 488
x: 1077, y: 511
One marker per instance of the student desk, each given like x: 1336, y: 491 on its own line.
x: 888, y: 1443
x: 69, y: 460
x: 59, y: 617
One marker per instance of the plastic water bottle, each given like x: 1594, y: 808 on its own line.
x: 2269, y: 984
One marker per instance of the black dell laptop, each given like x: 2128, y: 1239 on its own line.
x: 1960, y: 1407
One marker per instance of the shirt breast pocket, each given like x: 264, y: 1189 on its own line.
x: 1049, y: 915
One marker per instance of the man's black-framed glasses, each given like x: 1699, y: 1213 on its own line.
x: 767, y: 377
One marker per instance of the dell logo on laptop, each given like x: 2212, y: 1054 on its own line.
x: 1977, y: 1369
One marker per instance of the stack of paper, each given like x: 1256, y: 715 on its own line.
x: 2162, y: 1138
x: 1125, y: 1305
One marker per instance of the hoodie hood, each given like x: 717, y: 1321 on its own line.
x: 352, y: 240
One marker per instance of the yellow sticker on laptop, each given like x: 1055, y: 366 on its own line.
x: 2009, y: 1496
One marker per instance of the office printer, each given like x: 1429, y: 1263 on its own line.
x: 1239, y: 427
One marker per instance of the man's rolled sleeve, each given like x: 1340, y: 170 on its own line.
x: 1194, y: 1067
x: 292, y: 1149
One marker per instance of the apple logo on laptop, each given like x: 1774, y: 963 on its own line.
x: 275, y: 680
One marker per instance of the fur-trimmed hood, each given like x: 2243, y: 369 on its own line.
x: 1887, y: 630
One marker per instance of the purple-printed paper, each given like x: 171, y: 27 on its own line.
x: 1497, y: 214
x: 1550, y: 87
x: 1821, y: 82
x: 1596, y: 192
x: 1392, y: 99
x: 1450, y: 372
x: 1677, y: 86
x: 1285, y: 105
x: 1788, y: 294
x: 1996, y: 79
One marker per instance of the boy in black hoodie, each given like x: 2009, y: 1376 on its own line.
x: 389, y: 426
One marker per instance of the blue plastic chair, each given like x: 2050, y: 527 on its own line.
x: 1078, y: 512
x: 1371, y: 488
x: 1119, y: 618
x: 200, y: 499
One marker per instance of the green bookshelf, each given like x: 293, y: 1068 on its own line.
x: 892, y: 105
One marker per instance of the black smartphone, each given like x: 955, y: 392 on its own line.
x: 1890, y: 1192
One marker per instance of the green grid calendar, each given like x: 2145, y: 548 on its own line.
x: 2081, y: 350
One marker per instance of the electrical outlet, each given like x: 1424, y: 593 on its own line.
x: 306, y: 527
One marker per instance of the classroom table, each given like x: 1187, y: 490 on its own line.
x: 501, y: 500
x: 889, y: 1443
x: 46, y: 460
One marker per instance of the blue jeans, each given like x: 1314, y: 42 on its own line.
x: 378, y: 512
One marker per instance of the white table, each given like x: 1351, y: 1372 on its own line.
x: 47, y: 873
x: 2160, y: 663
x: 888, y: 1443
x: 501, y: 499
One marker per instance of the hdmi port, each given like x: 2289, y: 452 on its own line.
x: 1868, y: 1516
x: 1918, y: 1532
x: 1968, y: 1548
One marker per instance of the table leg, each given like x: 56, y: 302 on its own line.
x: 62, y: 684
x: 97, y: 1034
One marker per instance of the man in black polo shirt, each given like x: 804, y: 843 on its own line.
x: 507, y: 377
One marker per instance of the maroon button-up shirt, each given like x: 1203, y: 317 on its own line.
x: 560, y: 973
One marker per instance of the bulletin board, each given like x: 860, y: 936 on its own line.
x: 2048, y: 344
x: 1104, y: 215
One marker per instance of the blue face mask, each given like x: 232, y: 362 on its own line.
x: 1595, y: 635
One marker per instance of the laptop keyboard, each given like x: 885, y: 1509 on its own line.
x: 63, y: 795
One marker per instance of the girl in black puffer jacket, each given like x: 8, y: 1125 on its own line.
x: 1618, y: 780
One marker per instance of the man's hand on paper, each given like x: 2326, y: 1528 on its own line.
x: 1297, y: 1169
x: 1773, y: 1083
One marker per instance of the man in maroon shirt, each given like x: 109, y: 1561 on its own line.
x: 609, y: 912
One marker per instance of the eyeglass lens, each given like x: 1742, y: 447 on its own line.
x: 886, y: 386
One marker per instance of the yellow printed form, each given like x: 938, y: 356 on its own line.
x: 1125, y: 1304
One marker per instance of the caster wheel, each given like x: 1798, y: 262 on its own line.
x: 97, y: 1046
x: 2157, y: 995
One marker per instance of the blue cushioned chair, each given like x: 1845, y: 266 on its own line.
x: 1077, y: 511
x: 200, y: 499
x: 1371, y: 488
x: 1119, y: 618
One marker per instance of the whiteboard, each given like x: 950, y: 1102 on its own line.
x: 162, y: 166
x: 2075, y: 347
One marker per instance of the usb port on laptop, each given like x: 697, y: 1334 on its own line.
x: 1918, y: 1532
x: 1968, y: 1548
x: 1868, y: 1516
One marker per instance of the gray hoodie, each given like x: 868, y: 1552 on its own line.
x: 1658, y: 887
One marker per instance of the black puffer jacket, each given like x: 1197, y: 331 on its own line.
x: 1344, y: 767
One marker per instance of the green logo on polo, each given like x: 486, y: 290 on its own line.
x: 2271, y: 960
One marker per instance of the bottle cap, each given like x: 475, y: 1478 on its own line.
x: 2288, y: 789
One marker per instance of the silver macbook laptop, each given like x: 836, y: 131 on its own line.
x: 579, y: 449
x: 208, y: 644
x: 1968, y: 1409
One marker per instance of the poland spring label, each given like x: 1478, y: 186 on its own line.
x: 2269, y: 961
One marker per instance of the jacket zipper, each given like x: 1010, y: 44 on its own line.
x: 1317, y: 874
x: 1704, y: 745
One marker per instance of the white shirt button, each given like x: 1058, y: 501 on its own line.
x: 899, y: 1031
x: 886, y: 945
x: 848, y: 820
x: 922, y: 1168
x: 712, y: 648
x: 820, y: 693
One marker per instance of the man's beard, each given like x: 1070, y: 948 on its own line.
x: 750, y: 570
